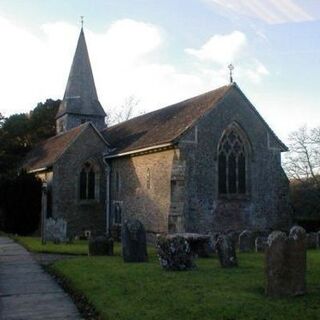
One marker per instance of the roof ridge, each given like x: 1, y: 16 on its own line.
x: 167, y: 107
x: 48, y: 143
x: 163, y: 125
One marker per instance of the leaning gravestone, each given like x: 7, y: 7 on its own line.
x: 134, y: 243
x: 246, y: 241
x: 226, y: 251
x: 286, y: 263
x: 175, y: 253
x: 261, y: 243
x: 101, y: 246
x: 56, y: 230
x: 298, y: 260
x: 312, y: 240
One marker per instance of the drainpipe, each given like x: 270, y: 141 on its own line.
x: 43, y: 211
x: 107, y: 201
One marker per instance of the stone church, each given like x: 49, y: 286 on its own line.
x: 206, y: 164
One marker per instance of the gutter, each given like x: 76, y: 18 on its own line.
x: 160, y: 146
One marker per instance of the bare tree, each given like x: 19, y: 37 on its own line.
x: 303, y: 161
x: 124, y: 112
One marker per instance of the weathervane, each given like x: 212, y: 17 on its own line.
x: 81, y: 17
x: 231, y: 68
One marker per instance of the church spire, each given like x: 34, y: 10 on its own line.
x: 81, y: 82
x: 80, y: 101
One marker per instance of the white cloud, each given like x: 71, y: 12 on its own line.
x: 257, y: 72
x: 126, y: 60
x: 221, y: 49
x: 269, y: 11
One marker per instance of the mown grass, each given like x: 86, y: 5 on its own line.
x: 133, y: 291
x: 33, y: 244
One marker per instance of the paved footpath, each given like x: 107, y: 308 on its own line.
x: 27, y: 292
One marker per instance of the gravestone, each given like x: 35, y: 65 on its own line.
x: 133, y: 239
x: 226, y: 251
x: 318, y: 239
x: 277, y: 269
x: 286, y: 263
x: 261, y: 244
x: 312, y: 240
x: 56, y: 230
x: 101, y: 246
x: 298, y: 260
x: 175, y: 253
x: 246, y: 241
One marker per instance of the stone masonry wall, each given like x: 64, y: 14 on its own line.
x: 144, y: 191
x: 70, y: 121
x: 80, y: 214
x: 266, y: 204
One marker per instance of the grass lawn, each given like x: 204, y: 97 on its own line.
x: 144, y: 291
x: 79, y: 247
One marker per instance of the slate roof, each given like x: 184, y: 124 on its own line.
x: 47, y: 152
x: 161, y: 126
x: 81, y: 96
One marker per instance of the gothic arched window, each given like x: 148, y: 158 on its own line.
x: 232, y: 163
x: 89, y: 182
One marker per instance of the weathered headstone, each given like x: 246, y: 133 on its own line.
x: 246, y: 241
x: 133, y: 239
x: 318, y: 239
x: 277, y: 271
x: 56, y: 230
x: 226, y: 251
x: 297, y: 260
x: 286, y: 263
x: 312, y: 240
x: 101, y: 246
x: 175, y: 253
x: 261, y: 244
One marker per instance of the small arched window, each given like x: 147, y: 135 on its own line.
x: 89, y: 182
x: 232, y: 163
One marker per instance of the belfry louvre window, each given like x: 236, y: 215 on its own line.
x: 232, y: 163
x: 88, y: 180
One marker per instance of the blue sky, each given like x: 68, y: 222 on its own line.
x: 165, y: 51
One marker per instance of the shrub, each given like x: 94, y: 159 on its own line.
x: 20, y: 204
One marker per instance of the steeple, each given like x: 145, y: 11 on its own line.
x: 80, y: 102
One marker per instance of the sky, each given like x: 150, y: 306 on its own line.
x: 162, y: 52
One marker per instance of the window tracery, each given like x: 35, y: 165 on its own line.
x: 232, y: 163
x: 88, y: 182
